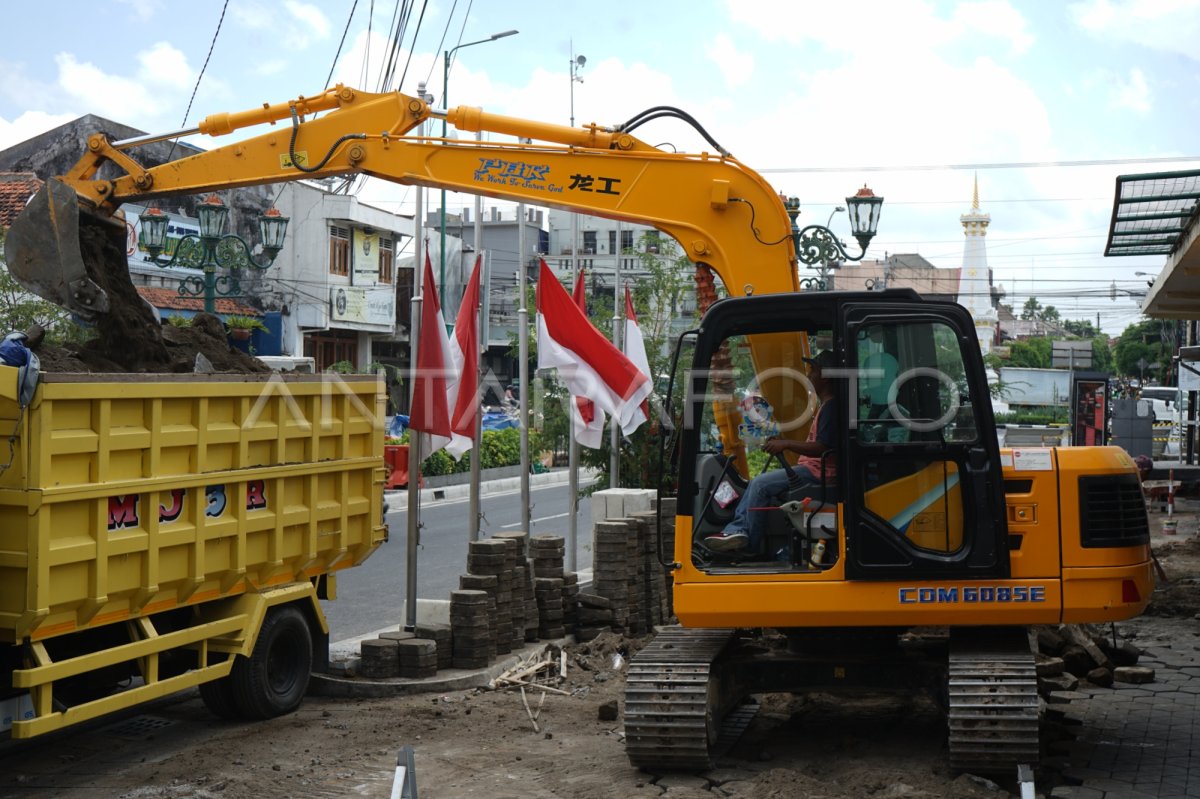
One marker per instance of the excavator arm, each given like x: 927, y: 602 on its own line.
x: 723, y: 214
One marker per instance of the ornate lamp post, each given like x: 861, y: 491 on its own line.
x: 817, y: 246
x: 211, y: 250
x: 446, y: 103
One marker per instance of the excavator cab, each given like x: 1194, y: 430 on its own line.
x: 911, y: 489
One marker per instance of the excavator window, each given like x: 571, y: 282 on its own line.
x: 912, y: 399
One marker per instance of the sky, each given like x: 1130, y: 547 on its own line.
x: 1044, y: 103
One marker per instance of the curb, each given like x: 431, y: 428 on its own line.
x: 332, y: 685
x: 398, y: 500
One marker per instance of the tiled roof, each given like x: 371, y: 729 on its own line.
x: 15, y: 190
x: 171, y: 300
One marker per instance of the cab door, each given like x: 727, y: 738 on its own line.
x: 921, y: 478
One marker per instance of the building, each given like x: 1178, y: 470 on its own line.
x: 975, y: 287
x: 902, y: 270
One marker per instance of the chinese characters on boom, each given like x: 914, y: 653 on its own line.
x: 537, y: 177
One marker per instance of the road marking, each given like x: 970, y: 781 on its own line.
x: 538, y: 519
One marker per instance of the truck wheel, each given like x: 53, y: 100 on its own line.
x: 218, y: 698
x: 272, y: 681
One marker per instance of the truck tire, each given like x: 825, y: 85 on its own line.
x: 273, y: 680
x: 218, y: 698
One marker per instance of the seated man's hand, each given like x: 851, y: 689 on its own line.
x: 775, y: 446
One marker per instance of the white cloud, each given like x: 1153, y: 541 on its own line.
x: 144, y: 10
x: 737, y: 67
x: 310, y: 16
x: 1133, y: 94
x: 996, y: 18
x: 1171, y: 26
x: 882, y: 25
x: 297, y: 25
x: 165, y: 66
x: 28, y: 125
x: 107, y: 95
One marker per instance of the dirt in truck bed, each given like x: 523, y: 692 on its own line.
x: 128, y: 339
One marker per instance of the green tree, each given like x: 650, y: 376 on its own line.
x: 1033, y: 353
x: 1150, y: 341
x: 1080, y: 327
x: 20, y: 310
x: 1032, y: 309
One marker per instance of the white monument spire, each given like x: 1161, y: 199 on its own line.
x: 974, y: 283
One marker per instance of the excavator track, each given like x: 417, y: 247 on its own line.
x: 993, y: 707
x: 674, y: 702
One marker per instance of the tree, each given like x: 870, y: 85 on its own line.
x: 1033, y: 353
x: 20, y: 310
x: 1144, y: 342
x: 1080, y: 327
x: 1032, y: 309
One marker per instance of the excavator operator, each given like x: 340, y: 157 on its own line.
x: 816, y: 465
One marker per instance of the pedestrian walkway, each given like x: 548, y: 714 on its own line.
x: 1138, y: 741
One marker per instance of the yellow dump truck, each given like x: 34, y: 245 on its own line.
x: 159, y: 532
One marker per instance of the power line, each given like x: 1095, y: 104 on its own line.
x: 984, y: 165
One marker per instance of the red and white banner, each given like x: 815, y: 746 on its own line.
x: 587, y: 421
x: 446, y: 383
x: 463, y: 397
x: 587, y: 362
x: 634, y: 346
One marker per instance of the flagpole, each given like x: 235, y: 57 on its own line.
x: 414, y: 439
x: 476, y: 455
x: 573, y: 445
x: 523, y: 366
x: 614, y: 435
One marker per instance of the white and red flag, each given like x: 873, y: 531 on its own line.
x: 587, y: 362
x: 587, y: 421
x: 446, y: 384
x: 635, y: 346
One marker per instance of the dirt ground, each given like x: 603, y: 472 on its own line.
x: 483, y: 743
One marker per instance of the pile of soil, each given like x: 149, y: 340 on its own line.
x: 129, y: 339
x: 1179, y: 595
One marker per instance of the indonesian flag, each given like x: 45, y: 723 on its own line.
x: 463, y: 399
x: 587, y: 422
x: 635, y: 346
x: 446, y: 383
x: 587, y: 363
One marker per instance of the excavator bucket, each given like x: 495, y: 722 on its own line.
x: 43, y: 252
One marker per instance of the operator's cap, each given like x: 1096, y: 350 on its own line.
x: 821, y: 359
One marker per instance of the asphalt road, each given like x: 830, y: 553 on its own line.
x: 371, y: 596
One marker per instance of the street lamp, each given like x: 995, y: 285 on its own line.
x: 210, y: 249
x: 446, y: 103
x: 816, y: 245
x: 577, y: 63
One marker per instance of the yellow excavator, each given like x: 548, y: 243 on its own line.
x: 919, y: 550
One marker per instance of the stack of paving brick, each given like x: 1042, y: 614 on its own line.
x: 488, y: 583
x: 418, y: 658
x: 471, y: 629
x: 651, y: 575
x: 595, y: 616
x: 440, y: 635
x: 378, y: 658
x: 517, y: 565
x: 491, y: 557
x: 666, y: 508
x: 546, y: 554
x: 610, y: 568
x: 570, y: 600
